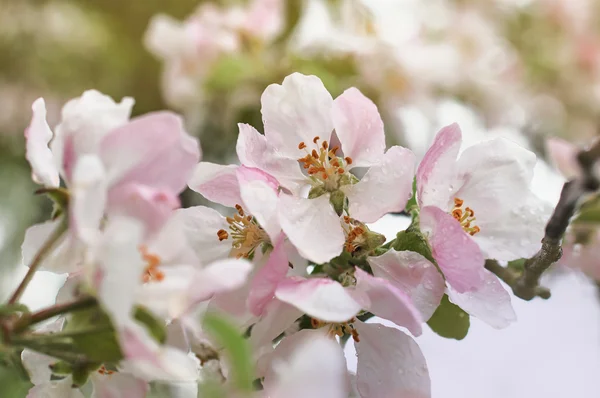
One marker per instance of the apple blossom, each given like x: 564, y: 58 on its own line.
x: 299, y: 117
x: 109, y: 164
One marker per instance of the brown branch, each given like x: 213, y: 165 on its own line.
x: 526, y: 284
x: 37, y: 260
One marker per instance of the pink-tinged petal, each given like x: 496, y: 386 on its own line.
x: 563, y: 156
x: 253, y: 150
x: 383, y: 299
x: 359, y: 127
x: 385, y: 188
x: 168, y: 298
x: 320, y: 298
x: 146, y: 359
x: 265, y: 281
x: 121, y: 266
x: 200, y: 226
x: 297, y: 374
x: 457, y: 255
x: 152, y: 206
x: 218, y: 277
x: 277, y: 318
x: 491, y: 302
x: 85, y: 122
x: 296, y: 111
x: 260, y: 199
x: 118, y: 385
x: 390, y: 364
x: 171, y: 243
x: 88, y: 198
x: 247, y: 174
x: 436, y: 173
x: 154, y: 150
x: 511, y: 225
x: 63, y: 259
x: 39, y: 156
x: 217, y: 183
x: 312, y: 226
x: 55, y: 389
x: 413, y: 274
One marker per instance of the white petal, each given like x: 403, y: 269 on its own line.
x: 296, y: 111
x: 436, y: 173
x: 260, y: 200
x: 88, y: 197
x: 146, y: 359
x: 118, y: 385
x: 384, y: 300
x: 167, y: 37
x: 359, y: 127
x: 320, y: 298
x: 301, y: 375
x: 390, y: 364
x: 312, y: 226
x: 39, y: 156
x: 121, y: 267
x: 491, y: 303
x: 87, y: 119
x: 220, y: 276
x: 385, y: 188
x: 56, y: 389
x: 216, y: 183
x: 413, y: 274
x: 200, y: 226
x: 254, y: 151
x: 63, y: 259
x: 278, y: 317
x: 496, y: 176
x: 38, y: 366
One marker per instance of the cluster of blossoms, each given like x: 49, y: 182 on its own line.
x: 294, y: 266
x: 530, y: 65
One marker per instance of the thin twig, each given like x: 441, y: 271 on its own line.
x: 47, y: 313
x: 37, y: 260
x: 526, y: 284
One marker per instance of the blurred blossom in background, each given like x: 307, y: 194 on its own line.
x: 526, y: 69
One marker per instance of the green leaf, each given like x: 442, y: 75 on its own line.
x: 413, y: 241
x: 156, y: 327
x: 449, y: 320
x: 12, y: 382
x: 589, y: 212
x: 100, y: 343
x: 236, y: 349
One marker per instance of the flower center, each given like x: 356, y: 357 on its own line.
x: 104, y: 371
x: 337, y: 329
x: 323, y: 165
x: 245, y: 233
x: 355, y: 235
x: 151, y: 273
x: 465, y: 217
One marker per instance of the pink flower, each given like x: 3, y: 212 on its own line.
x: 299, y: 117
x: 475, y: 207
x: 110, y: 165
